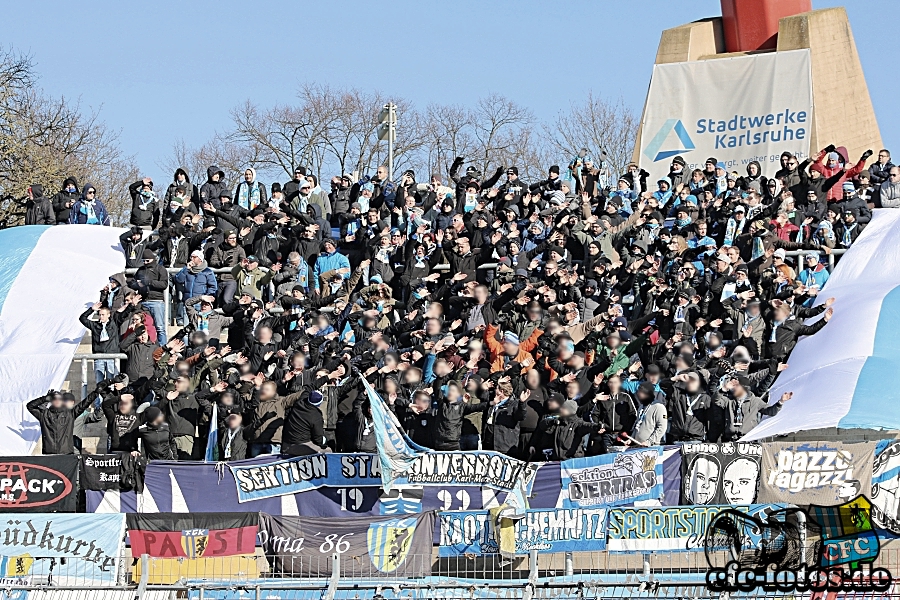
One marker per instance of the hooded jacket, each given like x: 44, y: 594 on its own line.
x: 39, y: 210
x: 63, y: 197
x: 144, y: 209
x: 210, y: 191
x: 225, y: 256
x: 248, y: 189
x: 80, y: 213
x: 836, y: 193
x: 193, y: 192
x: 329, y: 262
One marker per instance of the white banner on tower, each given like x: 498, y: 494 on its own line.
x: 735, y: 110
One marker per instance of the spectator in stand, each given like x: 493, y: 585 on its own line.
x: 89, y: 209
x: 151, y: 281
x: 144, y: 204
x: 65, y: 199
x: 38, y: 209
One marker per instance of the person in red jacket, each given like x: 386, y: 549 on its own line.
x: 836, y: 161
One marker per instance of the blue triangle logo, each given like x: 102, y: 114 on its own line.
x: 653, y: 152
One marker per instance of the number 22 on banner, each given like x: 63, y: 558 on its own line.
x: 351, y: 498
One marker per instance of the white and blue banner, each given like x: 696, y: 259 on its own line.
x: 275, y: 478
x: 545, y: 530
x: 48, y: 276
x: 612, y: 479
x: 91, y: 544
x: 844, y: 375
x: 736, y: 110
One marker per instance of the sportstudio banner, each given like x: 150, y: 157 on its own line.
x: 671, y: 529
x: 483, y: 469
x: 90, y: 544
x: 39, y: 483
x: 553, y: 530
x: 885, y: 498
x: 304, y: 546
x: 720, y: 473
x: 197, y: 535
x: 823, y: 473
x: 733, y: 109
x: 612, y: 479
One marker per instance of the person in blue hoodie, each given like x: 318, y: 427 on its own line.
x: 89, y: 209
x: 329, y: 260
x: 195, y: 279
x: 814, y: 275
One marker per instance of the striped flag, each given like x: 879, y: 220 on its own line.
x: 396, y: 452
x: 212, y: 442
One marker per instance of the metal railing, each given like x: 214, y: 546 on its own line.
x: 89, y: 356
x: 832, y: 256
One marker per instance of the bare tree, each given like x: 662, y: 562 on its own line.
x: 44, y: 140
x: 598, y: 125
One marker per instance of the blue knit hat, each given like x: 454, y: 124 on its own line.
x: 509, y: 336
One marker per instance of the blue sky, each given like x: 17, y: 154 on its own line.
x: 173, y: 70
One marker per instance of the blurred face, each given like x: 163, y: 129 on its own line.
x: 268, y: 390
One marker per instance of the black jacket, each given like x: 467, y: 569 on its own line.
x: 449, y: 421
x: 787, y: 334
x: 304, y: 424
x: 689, y: 414
x: 111, y: 345
x: 235, y: 447
x: 57, y: 424
x: 157, y: 443
x: 182, y: 413
x: 559, y: 438
x: 121, y: 429
x: 144, y: 211
x: 62, y: 198
x: 39, y: 210
x: 151, y: 281
x: 500, y: 426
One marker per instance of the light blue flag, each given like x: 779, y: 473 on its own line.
x: 212, y: 442
x: 396, y: 452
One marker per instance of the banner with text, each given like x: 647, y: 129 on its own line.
x: 89, y: 544
x: 886, y: 486
x: 725, y: 473
x: 823, y: 473
x: 290, y: 476
x: 369, y: 547
x: 612, y: 479
x: 552, y: 530
x: 736, y: 110
x: 196, y: 535
x: 39, y: 483
x: 672, y: 529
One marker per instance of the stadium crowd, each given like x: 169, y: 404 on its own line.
x: 574, y: 317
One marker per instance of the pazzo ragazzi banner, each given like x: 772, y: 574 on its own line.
x: 612, y: 479
x: 32, y: 545
x: 735, y: 110
x: 726, y: 473
x: 548, y: 530
x: 823, y: 473
x: 673, y: 529
x: 369, y: 547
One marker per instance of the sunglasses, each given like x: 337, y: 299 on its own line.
x: 90, y: 193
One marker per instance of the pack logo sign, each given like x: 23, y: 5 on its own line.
x: 612, y: 479
x: 748, y: 552
x: 726, y: 473
x: 389, y: 543
x: 821, y: 473
x: 44, y: 483
x: 545, y: 530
